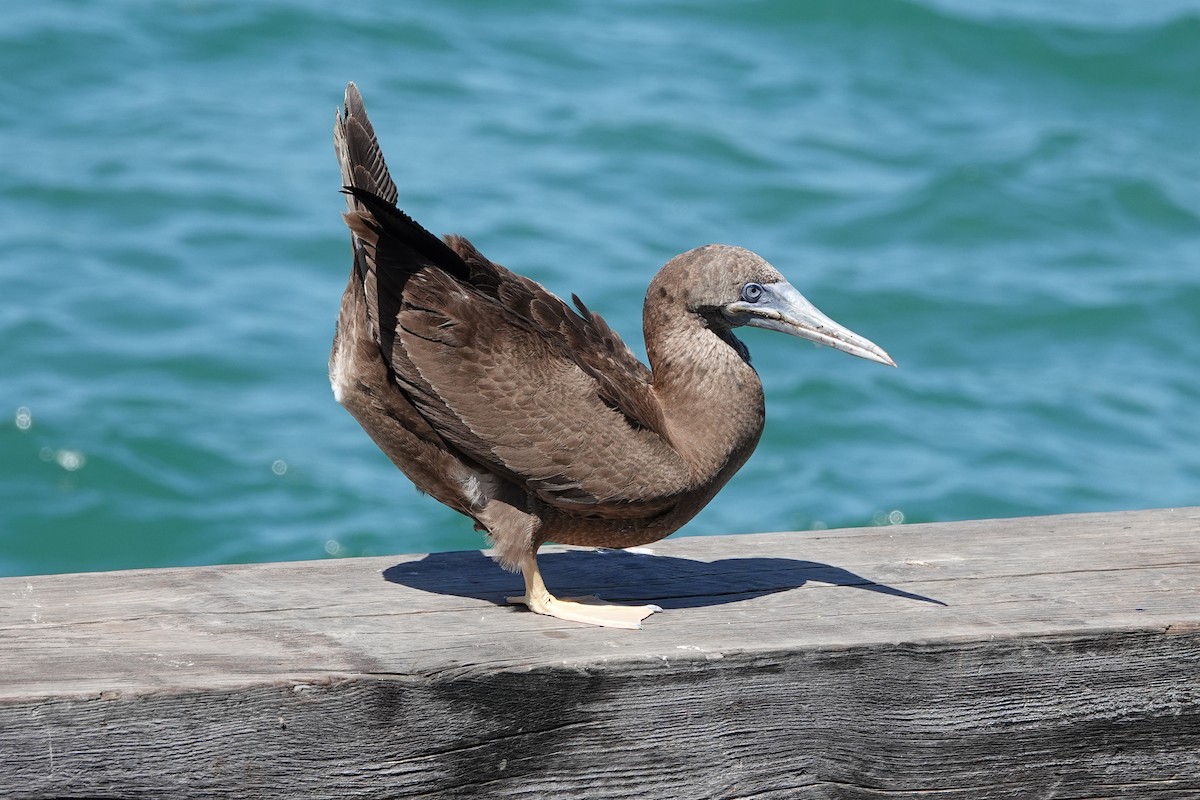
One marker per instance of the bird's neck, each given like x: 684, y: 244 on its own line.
x: 711, y: 397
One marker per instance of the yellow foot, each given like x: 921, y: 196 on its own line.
x: 589, y: 610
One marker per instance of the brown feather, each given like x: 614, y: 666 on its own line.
x: 535, y: 419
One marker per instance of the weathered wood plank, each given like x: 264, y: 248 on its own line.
x: 1041, y: 657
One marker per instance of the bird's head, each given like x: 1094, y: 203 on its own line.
x: 741, y: 288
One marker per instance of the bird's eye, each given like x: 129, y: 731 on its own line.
x: 752, y: 292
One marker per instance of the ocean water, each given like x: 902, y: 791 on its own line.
x: 1004, y: 195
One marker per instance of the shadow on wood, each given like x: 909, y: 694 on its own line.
x: 625, y: 576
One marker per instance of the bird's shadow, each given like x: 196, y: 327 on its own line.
x: 617, y: 575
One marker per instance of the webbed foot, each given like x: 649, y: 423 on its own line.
x: 588, y: 610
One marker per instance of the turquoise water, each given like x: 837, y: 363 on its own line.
x: 1005, y: 196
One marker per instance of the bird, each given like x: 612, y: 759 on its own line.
x: 535, y: 419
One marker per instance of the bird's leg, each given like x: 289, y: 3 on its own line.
x: 587, y: 610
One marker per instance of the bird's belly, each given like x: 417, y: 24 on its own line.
x: 629, y: 530
x: 662, y: 516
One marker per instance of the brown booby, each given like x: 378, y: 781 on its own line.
x: 536, y: 420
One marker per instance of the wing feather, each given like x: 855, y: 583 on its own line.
x: 500, y: 368
x: 492, y: 383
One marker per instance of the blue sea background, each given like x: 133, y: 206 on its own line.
x: 1004, y: 195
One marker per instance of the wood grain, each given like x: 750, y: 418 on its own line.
x: 1041, y: 657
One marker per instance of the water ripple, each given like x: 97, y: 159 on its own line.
x: 1003, y: 194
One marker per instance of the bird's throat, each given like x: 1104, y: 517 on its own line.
x: 711, y: 397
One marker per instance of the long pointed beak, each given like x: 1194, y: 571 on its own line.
x: 782, y: 308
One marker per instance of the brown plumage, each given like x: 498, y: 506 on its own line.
x: 536, y: 420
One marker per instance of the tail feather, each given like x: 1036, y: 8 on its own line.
x: 358, y: 151
x: 389, y: 246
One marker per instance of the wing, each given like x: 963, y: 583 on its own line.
x: 506, y: 392
x: 393, y: 248
x: 501, y: 369
x: 510, y: 376
x: 622, y: 381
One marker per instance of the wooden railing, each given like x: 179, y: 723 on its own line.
x: 1021, y: 658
